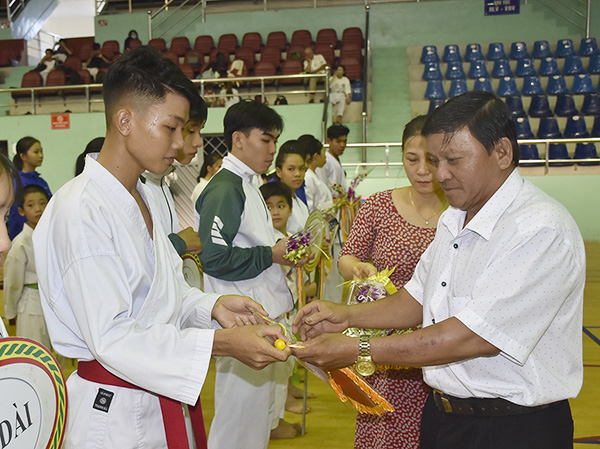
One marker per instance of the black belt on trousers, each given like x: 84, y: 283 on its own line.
x: 481, y: 406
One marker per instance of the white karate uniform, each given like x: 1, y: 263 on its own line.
x: 300, y: 214
x: 332, y: 173
x: 158, y: 191
x: 113, y: 294
x: 195, y: 194
x: 318, y: 195
x: 23, y: 302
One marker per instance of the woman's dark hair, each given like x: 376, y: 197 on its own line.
x: 248, y: 115
x: 413, y: 128
x: 93, y: 146
x: 23, y: 145
x: 483, y: 114
x: 210, y: 159
x: 14, y: 180
x: 131, y: 32
x: 310, y: 144
x: 276, y: 188
x: 289, y: 147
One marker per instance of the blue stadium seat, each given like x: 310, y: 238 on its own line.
x: 429, y: 54
x: 594, y: 64
x: 435, y: 89
x: 557, y: 85
x: 586, y: 151
x: 451, y: 53
x: 549, y: 67
x: 541, y: 49
x: 501, y: 68
x: 565, y: 106
x: 523, y: 128
x: 496, y: 51
x: 582, y: 84
x: 588, y: 46
x: 596, y: 127
x: 525, y: 67
x: 532, y: 86
x: 435, y: 103
x: 507, y: 87
x: 591, y: 104
x: 564, y: 48
x: 478, y: 70
x: 575, y: 127
x: 515, y: 107
x: 540, y: 107
x: 473, y: 53
x: 558, y: 151
x: 529, y: 152
x: 573, y: 65
x: 455, y: 71
x: 483, y: 84
x: 548, y: 128
x: 518, y: 50
x: 432, y: 71
x: 457, y: 87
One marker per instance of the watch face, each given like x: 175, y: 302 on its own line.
x: 365, y: 367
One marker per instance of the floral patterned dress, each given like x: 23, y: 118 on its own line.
x: 382, y: 236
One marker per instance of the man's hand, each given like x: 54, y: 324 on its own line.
x: 193, y: 245
x: 363, y: 270
x: 279, y: 251
x: 320, y: 317
x: 234, y: 310
x: 249, y: 345
x: 329, y: 351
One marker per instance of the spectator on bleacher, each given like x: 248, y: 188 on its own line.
x: 62, y: 51
x: 340, y: 94
x: 313, y: 64
x: 216, y: 68
x: 229, y: 95
x: 210, y: 95
x: 96, y: 60
x: 47, y: 64
x: 28, y: 157
x: 133, y: 35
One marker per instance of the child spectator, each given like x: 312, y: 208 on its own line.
x: 240, y: 254
x: 340, y: 94
x: 112, y: 287
x: 318, y: 195
x: 96, y: 60
x: 30, y: 156
x: 21, y: 294
x: 290, y: 169
x: 62, y: 51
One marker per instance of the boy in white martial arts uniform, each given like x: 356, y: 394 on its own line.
x: 239, y: 254
x: 111, y: 283
x: 21, y: 294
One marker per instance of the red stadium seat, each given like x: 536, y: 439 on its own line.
x: 246, y: 55
x: 291, y: 67
x: 73, y: 62
x: 213, y: 54
x: 111, y: 49
x: 328, y: 53
x: 158, y: 43
x: 228, y: 42
x: 353, y: 68
x: 204, y: 44
x: 55, y: 78
x: 272, y: 55
x: 327, y: 36
x: 352, y: 35
x: 180, y: 45
x: 134, y: 43
x: 301, y: 38
x: 252, y: 40
x: 81, y: 46
x: 262, y: 68
x: 30, y: 79
x: 294, y: 50
x: 277, y: 39
x: 172, y: 56
x: 351, y: 51
x: 188, y: 70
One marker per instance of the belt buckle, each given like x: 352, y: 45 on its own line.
x: 445, y: 402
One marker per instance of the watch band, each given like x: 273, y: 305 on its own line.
x: 364, y: 346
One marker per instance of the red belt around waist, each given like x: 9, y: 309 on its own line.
x: 172, y: 412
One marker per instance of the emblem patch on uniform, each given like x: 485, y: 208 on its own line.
x: 103, y: 400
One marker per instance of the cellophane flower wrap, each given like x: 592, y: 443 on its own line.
x: 297, y: 246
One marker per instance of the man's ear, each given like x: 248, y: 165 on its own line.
x: 237, y: 139
x: 122, y: 121
x: 504, y: 153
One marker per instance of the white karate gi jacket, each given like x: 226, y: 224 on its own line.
x: 111, y: 293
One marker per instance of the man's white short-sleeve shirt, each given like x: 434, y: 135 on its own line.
x: 514, y: 275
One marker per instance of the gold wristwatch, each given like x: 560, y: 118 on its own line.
x: 364, y: 363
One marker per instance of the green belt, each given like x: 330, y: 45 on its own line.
x: 33, y: 286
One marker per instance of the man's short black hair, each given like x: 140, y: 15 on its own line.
x: 248, y: 115
x: 336, y: 131
x: 31, y: 188
x: 483, y: 114
x: 276, y: 188
x: 144, y: 73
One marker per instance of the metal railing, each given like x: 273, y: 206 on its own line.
x: 546, y: 161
